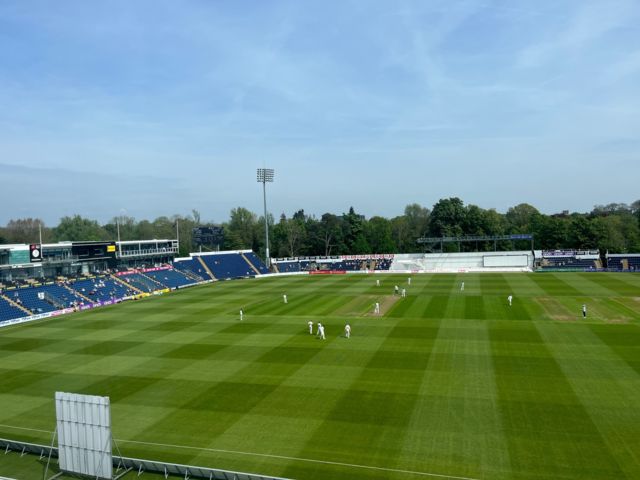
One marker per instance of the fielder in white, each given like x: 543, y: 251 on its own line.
x: 376, y: 308
x: 404, y: 292
x: 319, y: 327
x: 322, y: 332
x: 310, y: 323
x: 347, y: 330
x: 241, y: 314
x: 462, y: 287
x: 409, y: 281
x: 284, y: 298
x: 510, y: 299
x: 377, y: 283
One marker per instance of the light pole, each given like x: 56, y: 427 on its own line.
x: 265, y: 175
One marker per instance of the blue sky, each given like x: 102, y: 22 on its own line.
x: 159, y: 107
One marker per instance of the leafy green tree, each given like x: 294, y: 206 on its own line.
x: 550, y: 232
x: 402, y: 237
x: 417, y: 223
x: 447, y: 218
x: 378, y: 235
x: 521, y: 218
x: 26, y: 230
x: 290, y: 234
x: 164, y: 227
x: 144, y: 230
x: 353, y: 231
x: 330, y: 234
x: 77, y: 228
x: 584, y: 233
x: 242, y: 229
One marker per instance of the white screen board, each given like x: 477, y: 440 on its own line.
x: 506, y: 261
x: 84, y: 434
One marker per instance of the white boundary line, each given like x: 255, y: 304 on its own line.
x: 309, y: 460
x: 267, y: 455
x: 24, y: 428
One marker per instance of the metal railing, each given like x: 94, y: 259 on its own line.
x: 122, y: 464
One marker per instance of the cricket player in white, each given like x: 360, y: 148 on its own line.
x: 310, y: 323
x: 377, y: 283
x: 409, y: 281
x: 241, y: 314
x: 322, y: 332
x: 319, y: 328
x: 396, y: 290
x: 462, y: 287
x: 376, y: 309
x: 347, y: 330
x: 510, y: 299
x: 284, y: 298
x: 404, y: 292
x: 584, y: 310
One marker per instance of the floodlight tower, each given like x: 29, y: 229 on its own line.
x: 265, y: 175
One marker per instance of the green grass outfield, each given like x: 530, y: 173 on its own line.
x: 444, y: 384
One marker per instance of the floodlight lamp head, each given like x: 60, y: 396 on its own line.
x: 265, y: 175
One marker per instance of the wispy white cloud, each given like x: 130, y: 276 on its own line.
x: 208, y: 91
x: 592, y: 21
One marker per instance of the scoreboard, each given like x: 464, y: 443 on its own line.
x: 94, y: 250
x: 208, y: 236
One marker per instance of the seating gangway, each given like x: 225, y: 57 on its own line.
x: 17, y: 305
x: 77, y: 293
x: 126, y: 284
x: 206, y: 268
x: 253, y: 267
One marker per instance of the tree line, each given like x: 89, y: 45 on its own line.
x: 614, y: 228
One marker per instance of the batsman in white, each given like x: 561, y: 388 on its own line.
x: 510, y: 299
x: 284, y: 298
x: 347, y: 330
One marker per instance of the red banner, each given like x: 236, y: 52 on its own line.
x: 327, y: 272
x: 142, y: 270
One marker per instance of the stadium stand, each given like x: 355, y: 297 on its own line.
x: 347, y: 263
x: 171, y: 278
x: 221, y: 265
x: 8, y: 311
x: 192, y: 268
x: 516, y: 261
x: 288, y: 266
x: 228, y: 265
x: 138, y: 282
x: 624, y: 262
x: 45, y: 298
x: 257, y: 263
x: 101, y: 288
x: 570, y: 260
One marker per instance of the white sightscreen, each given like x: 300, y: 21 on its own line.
x: 84, y: 434
x: 506, y: 261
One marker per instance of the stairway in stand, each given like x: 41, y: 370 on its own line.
x: 17, y: 305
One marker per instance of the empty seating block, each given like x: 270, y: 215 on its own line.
x: 228, y: 265
x: 9, y: 312
x: 171, y: 278
x: 256, y: 262
x: 193, y: 266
